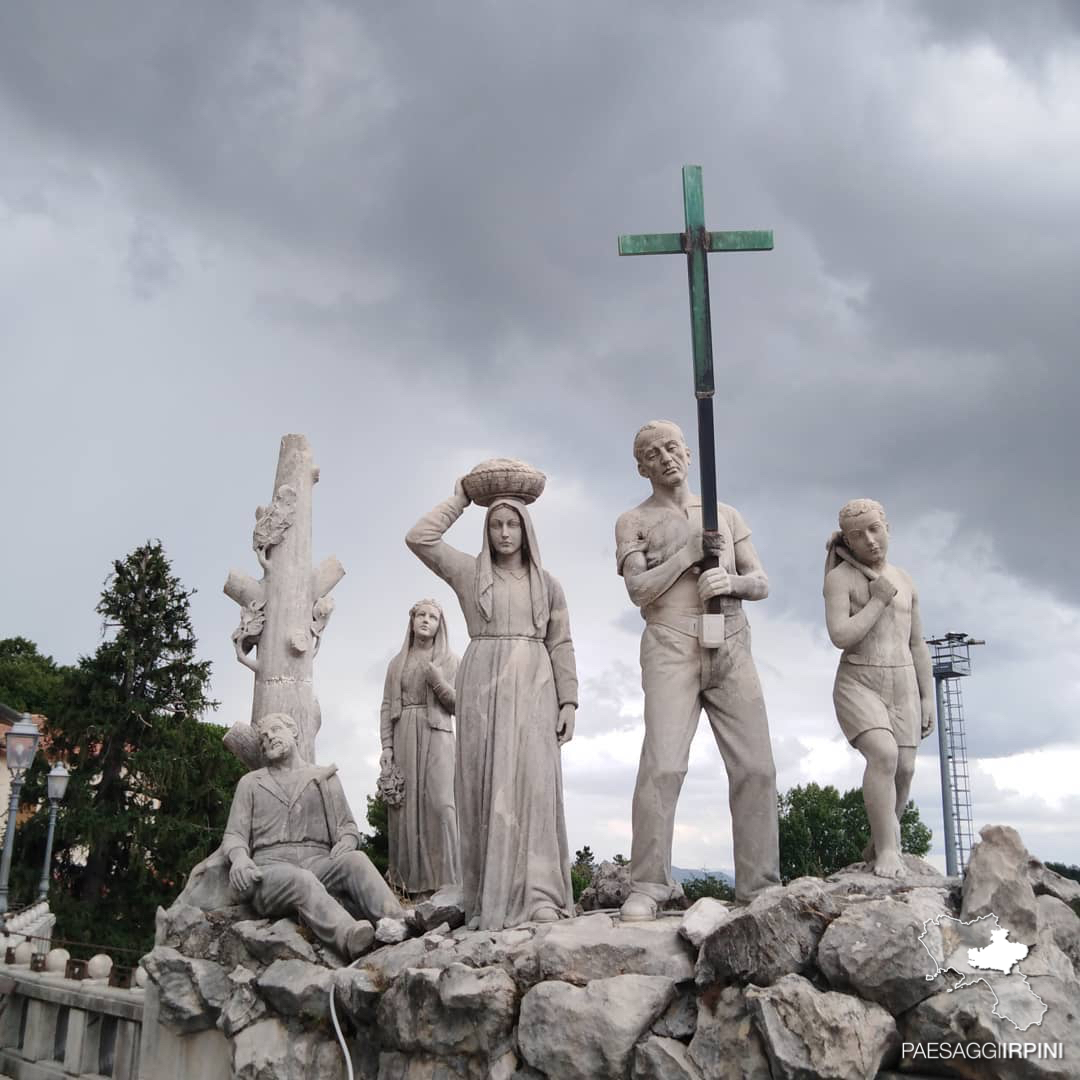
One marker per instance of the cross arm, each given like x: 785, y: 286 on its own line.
x: 741, y: 240
x: 678, y: 244
x: 652, y: 244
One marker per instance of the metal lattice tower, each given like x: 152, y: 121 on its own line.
x: 952, y: 661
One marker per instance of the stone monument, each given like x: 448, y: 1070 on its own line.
x: 659, y: 548
x: 291, y: 840
x: 284, y: 614
x: 416, y: 730
x: 884, y: 689
x: 516, y: 701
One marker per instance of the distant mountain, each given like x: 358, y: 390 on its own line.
x: 681, y: 875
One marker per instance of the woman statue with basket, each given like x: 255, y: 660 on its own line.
x: 417, y: 762
x: 516, y: 699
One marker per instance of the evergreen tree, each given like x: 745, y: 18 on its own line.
x: 376, y: 844
x: 150, y: 783
x: 582, y: 870
x: 822, y: 831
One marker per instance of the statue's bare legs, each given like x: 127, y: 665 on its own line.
x: 905, y: 770
x: 886, y: 785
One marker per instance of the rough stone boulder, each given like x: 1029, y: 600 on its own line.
x: 725, y: 1041
x: 455, y: 1011
x: 775, y: 935
x: 810, y: 1033
x: 965, y: 1019
x: 859, y: 879
x: 445, y: 906
x: 703, y: 918
x: 658, y: 1058
x: 597, y: 947
x: 1046, y: 882
x: 589, y: 1033
x: 271, y: 1050
x: 297, y: 988
x: 608, y: 889
x: 873, y: 949
x: 244, y: 1006
x: 1058, y: 919
x: 358, y: 995
x: 266, y: 941
x: 996, y: 883
x: 191, y: 992
x: 680, y: 1018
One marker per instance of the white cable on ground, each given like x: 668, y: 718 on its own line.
x: 337, y: 1026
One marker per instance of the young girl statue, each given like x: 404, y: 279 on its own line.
x: 417, y: 735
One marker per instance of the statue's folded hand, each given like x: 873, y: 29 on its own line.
x: 244, y: 875
x: 881, y: 588
x: 343, y: 846
x: 716, y: 582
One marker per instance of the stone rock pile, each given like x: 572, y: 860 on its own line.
x: 815, y: 979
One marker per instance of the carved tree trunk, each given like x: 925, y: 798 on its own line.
x: 283, y: 615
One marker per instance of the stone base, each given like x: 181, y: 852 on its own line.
x: 816, y: 978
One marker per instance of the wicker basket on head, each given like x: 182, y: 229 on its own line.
x: 503, y: 478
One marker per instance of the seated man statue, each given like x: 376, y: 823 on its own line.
x: 884, y: 689
x: 291, y: 842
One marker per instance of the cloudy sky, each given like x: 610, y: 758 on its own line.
x: 393, y: 228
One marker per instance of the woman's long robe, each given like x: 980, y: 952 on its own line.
x: 512, y: 680
x: 415, y: 721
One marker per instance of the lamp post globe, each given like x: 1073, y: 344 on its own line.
x: 20, y: 745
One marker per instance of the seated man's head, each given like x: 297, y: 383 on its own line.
x: 277, y: 734
x: 865, y: 530
x: 661, y: 452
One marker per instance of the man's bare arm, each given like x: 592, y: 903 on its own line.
x: 751, y: 582
x: 924, y: 667
x: 644, y: 585
x: 846, y: 630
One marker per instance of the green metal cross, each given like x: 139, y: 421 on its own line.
x: 695, y: 244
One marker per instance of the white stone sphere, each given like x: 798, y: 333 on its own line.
x: 99, y: 966
x: 141, y: 978
x: 56, y: 961
x: 23, y: 951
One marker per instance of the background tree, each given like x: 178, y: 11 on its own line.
x: 822, y: 831
x: 29, y: 681
x: 150, y: 783
x: 707, y: 885
x: 582, y: 870
x: 376, y: 844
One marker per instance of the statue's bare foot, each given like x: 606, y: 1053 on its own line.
x: 889, y: 864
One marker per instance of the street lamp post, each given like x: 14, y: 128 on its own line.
x: 20, y: 744
x: 57, y: 783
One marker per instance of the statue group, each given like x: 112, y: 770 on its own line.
x: 483, y: 811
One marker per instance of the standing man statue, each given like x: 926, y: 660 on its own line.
x: 659, y: 546
x: 884, y: 689
x: 291, y: 842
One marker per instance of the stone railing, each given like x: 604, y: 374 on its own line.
x: 53, y: 1026
x: 34, y: 923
